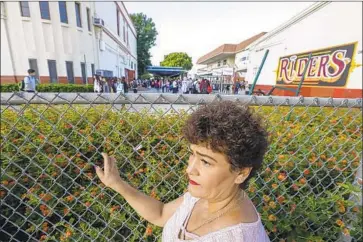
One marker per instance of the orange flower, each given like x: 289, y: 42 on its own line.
x: 68, y: 233
x: 302, y: 180
x: 88, y: 204
x: 43, y: 237
x: 5, y: 182
x: 268, y: 170
x: 355, y: 209
x: 341, y: 209
x: 281, y: 199
x: 45, y: 227
x: 323, y: 157
x: 149, y: 230
x: 2, y: 194
x: 272, y: 217
x: 346, y: 232
x: 65, y: 211
x: 340, y: 223
x: 265, y: 208
x: 45, y: 197
x: 252, y: 189
x: 274, y: 186
x: 281, y: 156
x: 45, y: 210
x: 69, y: 198
x: 306, y: 172
x: 281, y: 176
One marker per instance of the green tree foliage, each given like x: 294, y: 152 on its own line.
x: 180, y: 59
x: 146, y: 37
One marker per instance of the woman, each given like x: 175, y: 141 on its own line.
x: 228, y: 144
x: 119, y: 86
x: 97, y: 84
x: 124, y: 83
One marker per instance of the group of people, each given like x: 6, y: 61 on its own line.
x: 113, y: 84
x: 172, y: 85
x: 185, y: 86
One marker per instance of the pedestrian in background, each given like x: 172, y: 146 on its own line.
x: 30, y: 82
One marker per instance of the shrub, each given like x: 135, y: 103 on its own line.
x: 50, y: 88
x: 48, y: 178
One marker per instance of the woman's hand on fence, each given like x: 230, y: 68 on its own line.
x: 110, y: 175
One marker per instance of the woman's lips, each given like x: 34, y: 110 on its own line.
x: 193, y: 182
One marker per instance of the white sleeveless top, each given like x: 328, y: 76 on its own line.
x: 243, y: 232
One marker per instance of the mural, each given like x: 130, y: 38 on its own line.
x: 327, y: 67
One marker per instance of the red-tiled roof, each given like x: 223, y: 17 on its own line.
x: 229, y: 48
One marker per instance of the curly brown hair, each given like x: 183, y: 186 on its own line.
x: 230, y: 128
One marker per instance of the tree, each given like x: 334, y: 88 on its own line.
x: 178, y: 59
x: 146, y: 37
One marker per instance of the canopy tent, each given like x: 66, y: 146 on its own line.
x: 165, y: 71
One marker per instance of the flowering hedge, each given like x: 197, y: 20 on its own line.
x: 50, y: 192
x: 51, y: 88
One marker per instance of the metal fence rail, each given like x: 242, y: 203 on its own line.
x: 50, y: 142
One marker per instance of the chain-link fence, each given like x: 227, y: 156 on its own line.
x: 306, y: 191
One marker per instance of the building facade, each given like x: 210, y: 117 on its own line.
x: 66, y: 42
x: 220, y: 65
x: 332, y: 33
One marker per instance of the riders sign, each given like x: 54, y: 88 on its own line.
x: 327, y: 67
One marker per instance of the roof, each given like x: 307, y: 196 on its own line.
x: 227, y: 50
x: 165, y: 71
x: 241, y: 46
x: 223, y: 49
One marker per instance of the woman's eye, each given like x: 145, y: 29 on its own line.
x: 206, y: 163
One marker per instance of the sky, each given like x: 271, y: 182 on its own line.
x: 200, y: 27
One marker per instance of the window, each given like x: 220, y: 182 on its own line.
x: 52, y: 67
x: 127, y: 35
x: 123, y: 28
x: 24, y: 9
x: 132, y: 65
x: 78, y: 15
x: 118, y: 22
x: 70, y: 73
x: 93, y: 69
x: 44, y: 10
x: 89, y: 19
x: 219, y: 63
x: 84, y: 75
x: 63, y: 12
x: 33, y: 64
x: 225, y: 62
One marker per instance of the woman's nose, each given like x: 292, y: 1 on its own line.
x: 192, y: 167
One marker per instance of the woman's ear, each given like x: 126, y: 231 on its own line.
x: 243, y: 175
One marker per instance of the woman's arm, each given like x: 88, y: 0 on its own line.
x: 147, y: 207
